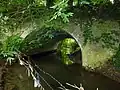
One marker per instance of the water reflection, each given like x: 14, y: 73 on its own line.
x: 73, y: 74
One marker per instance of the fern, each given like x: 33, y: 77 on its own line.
x: 10, y: 48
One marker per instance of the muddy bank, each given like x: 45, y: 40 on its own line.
x: 2, y: 75
x: 107, y: 70
x: 16, y: 78
x: 110, y: 71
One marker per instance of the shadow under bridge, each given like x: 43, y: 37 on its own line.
x: 46, y: 40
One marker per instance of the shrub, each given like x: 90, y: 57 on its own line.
x: 10, y: 48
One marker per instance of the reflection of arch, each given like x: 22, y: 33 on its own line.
x: 45, y: 39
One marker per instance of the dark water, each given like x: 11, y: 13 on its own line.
x: 17, y: 79
x: 73, y: 74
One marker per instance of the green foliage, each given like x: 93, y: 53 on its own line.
x: 116, y: 59
x: 8, y: 26
x: 87, y: 32
x: 16, y: 12
x: 82, y: 2
x: 61, y: 11
x: 67, y: 46
x: 108, y: 39
x: 100, y: 1
x: 10, y: 48
x: 40, y: 2
x: 94, y: 2
x: 3, y: 25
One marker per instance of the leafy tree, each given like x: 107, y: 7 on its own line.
x: 61, y: 11
x: 49, y: 3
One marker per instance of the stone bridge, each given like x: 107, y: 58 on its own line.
x: 94, y: 54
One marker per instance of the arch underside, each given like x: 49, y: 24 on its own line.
x: 45, y: 40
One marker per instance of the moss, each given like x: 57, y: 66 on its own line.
x: 116, y: 59
x: 67, y: 46
x: 94, y: 56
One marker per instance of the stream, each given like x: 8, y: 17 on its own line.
x: 73, y: 74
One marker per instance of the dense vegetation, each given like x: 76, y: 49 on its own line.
x: 15, y: 13
x: 66, y: 47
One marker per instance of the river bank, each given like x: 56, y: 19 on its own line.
x: 16, y: 76
x: 110, y: 71
x: 2, y: 74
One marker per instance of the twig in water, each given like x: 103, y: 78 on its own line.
x: 74, y: 86
x: 50, y: 76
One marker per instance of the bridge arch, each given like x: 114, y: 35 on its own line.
x: 46, y: 39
